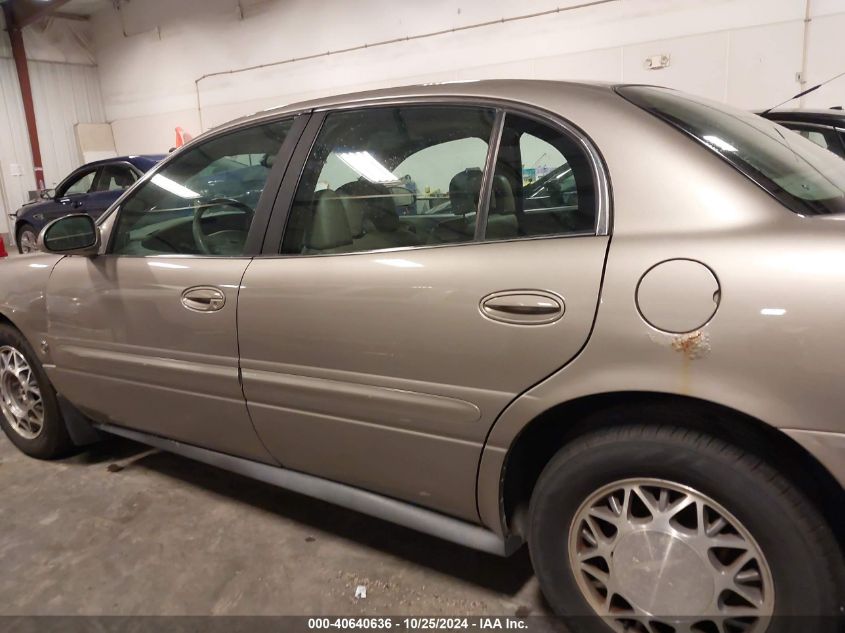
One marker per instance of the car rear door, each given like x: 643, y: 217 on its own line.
x: 144, y: 336
x: 380, y: 356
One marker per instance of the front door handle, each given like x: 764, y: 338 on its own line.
x: 203, y: 299
x: 523, y: 307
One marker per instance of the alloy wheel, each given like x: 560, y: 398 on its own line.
x: 27, y: 240
x: 653, y: 556
x: 20, y: 396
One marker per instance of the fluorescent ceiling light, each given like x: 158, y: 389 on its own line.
x: 174, y: 187
x: 721, y: 144
x: 364, y: 164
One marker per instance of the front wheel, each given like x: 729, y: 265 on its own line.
x: 29, y: 410
x: 27, y: 239
x: 664, y: 530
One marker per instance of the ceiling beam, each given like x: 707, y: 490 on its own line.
x: 25, y: 12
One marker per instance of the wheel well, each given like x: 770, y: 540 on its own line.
x: 548, y: 432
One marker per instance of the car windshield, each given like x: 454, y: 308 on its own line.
x: 804, y: 177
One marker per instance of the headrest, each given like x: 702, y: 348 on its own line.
x: 464, y: 190
x: 354, y: 207
x: 369, y: 201
x: 329, y: 226
x: 122, y: 179
x: 503, y: 202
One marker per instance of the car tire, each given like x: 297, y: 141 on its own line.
x: 29, y: 411
x: 794, y: 572
x: 29, y: 235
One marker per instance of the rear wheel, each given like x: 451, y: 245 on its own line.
x: 29, y: 411
x: 665, y: 530
x: 27, y: 239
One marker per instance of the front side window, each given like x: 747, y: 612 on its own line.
x: 82, y: 184
x: 381, y: 178
x: 805, y: 178
x: 543, y: 184
x: 203, y: 201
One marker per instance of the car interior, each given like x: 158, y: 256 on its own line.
x: 203, y: 202
x: 362, y: 215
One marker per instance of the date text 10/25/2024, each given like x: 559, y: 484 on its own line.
x: 419, y: 623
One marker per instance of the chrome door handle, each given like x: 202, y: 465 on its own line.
x: 203, y: 299
x: 523, y: 307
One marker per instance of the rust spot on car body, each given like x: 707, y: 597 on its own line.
x: 693, y: 346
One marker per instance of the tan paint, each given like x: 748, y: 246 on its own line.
x: 769, y: 351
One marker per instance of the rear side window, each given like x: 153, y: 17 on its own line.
x: 382, y: 178
x: 115, y: 178
x: 542, y: 185
x: 807, y: 179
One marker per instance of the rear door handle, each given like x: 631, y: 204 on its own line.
x: 203, y: 299
x: 523, y: 307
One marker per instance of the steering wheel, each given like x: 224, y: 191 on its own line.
x: 229, y: 241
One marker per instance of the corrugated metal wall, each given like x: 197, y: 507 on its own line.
x: 14, y: 146
x: 64, y: 95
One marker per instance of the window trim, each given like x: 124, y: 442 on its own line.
x: 601, y: 179
x: 266, y: 202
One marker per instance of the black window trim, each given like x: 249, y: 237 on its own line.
x: 284, y: 201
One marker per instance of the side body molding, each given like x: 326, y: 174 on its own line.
x: 405, y: 514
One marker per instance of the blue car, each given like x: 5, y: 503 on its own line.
x: 89, y: 189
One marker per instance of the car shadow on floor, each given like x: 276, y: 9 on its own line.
x: 502, y: 575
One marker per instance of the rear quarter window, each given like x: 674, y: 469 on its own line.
x: 806, y: 178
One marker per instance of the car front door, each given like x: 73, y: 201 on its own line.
x: 144, y: 335
x: 377, y: 350
x: 72, y: 194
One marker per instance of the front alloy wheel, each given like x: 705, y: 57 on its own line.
x: 29, y: 409
x: 27, y: 240
x: 20, y: 395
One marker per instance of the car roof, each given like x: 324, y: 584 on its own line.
x: 133, y: 158
x: 828, y: 116
x: 503, y: 89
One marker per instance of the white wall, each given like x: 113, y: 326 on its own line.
x: 65, y: 90
x: 745, y: 52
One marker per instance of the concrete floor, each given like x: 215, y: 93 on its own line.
x: 125, y: 530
